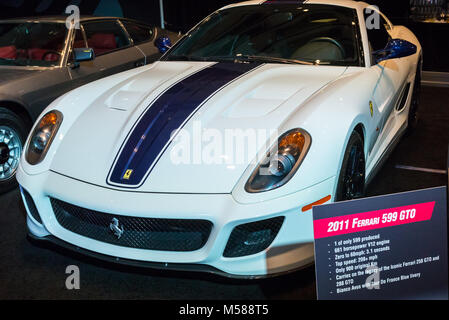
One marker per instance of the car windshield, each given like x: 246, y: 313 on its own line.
x: 31, y: 44
x: 277, y: 33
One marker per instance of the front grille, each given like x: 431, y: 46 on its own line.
x: 141, y: 233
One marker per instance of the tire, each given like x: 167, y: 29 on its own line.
x: 13, y: 133
x: 351, y: 182
x: 413, y: 115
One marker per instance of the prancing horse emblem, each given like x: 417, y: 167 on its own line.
x: 114, y: 226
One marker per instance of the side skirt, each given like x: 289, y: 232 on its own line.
x: 385, y: 155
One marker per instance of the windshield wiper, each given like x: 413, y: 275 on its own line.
x: 271, y: 59
x: 250, y: 58
x: 241, y: 58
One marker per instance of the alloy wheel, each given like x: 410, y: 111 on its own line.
x: 10, y: 152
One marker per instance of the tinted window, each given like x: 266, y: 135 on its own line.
x: 79, y: 40
x: 36, y: 44
x: 138, y: 33
x: 105, y: 36
x: 300, y: 32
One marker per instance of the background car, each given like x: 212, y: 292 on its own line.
x: 331, y: 95
x: 38, y: 63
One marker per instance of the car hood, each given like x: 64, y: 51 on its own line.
x: 9, y: 75
x: 175, y: 127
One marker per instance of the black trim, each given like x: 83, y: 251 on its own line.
x: 177, y: 267
x: 358, y: 35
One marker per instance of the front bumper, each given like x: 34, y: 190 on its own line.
x: 292, y: 248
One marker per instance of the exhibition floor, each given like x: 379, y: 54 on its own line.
x: 31, y: 272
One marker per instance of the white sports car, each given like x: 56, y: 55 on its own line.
x: 212, y: 158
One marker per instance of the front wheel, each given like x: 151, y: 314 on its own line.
x: 12, y: 139
x: 351, y: 183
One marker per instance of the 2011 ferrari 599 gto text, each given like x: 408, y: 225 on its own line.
x: 212, y: 158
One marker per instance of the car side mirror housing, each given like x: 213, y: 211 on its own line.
x: 395, y: 48
x: 81, y: 55
x: 163, y: 44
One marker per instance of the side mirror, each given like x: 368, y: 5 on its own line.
x: 395, y: 48
x: 163, y: 44
x: 82, y: 54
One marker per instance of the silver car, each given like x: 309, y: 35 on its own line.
x: 41, y: 59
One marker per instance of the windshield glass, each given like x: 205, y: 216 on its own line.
x: 319, y: 34
x: 31, y: 44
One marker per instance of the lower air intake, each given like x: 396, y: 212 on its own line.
x: 252, y: 238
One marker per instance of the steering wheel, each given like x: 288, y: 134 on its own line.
x: 50, y: 52
x: 333, y: 41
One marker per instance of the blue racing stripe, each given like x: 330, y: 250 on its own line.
x: 152, y: 133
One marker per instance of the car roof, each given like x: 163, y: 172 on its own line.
x: 342, y: 3
x: 63, y: 18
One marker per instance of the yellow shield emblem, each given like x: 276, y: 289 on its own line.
x: 128, y: 174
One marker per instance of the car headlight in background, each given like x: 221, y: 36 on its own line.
x: 43, y: 136
x: 281, y: 162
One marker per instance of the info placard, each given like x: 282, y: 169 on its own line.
x: 387, y: 247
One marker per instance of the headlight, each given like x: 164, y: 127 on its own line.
x: 43, y: 136
x: 281, y: 162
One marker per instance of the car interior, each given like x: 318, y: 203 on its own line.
x: 32, y: 41
x: 323, y: 34
x: 105, y: 36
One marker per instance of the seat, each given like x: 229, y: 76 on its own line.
x: 9, y: 52
x: 102, y: 42
x: 38, y: 54
x: 319, y: 49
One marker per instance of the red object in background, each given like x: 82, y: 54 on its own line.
x: 9, y: 52
x: 102, y: 42
x: 42, y: 54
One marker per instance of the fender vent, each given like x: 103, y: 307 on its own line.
x: 404, y: 97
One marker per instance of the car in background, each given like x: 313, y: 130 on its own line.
x: 41, y: 59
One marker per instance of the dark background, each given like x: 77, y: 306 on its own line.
x: 182, y: 15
